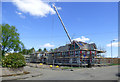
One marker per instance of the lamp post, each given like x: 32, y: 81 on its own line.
x: 53, y: 60
x: 111, y: 49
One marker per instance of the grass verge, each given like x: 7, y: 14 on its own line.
x: 113, y: 64
x: 69, y: 67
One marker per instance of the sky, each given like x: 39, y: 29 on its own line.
x: 40, y: 27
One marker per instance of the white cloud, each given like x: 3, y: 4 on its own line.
x: 114, y: 44
x: 59, y: 8
x: 20, y: 14
x: 47, y: 45
x: 34, y: 7
x: 91, y: 42
x: 115, y: 39
x: 83, y: 39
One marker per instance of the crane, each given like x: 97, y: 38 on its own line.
x: 62, y: 22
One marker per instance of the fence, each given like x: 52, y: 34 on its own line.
x: 111, y: 60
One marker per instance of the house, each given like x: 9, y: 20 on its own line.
x: 38, y: 57
x: 76, y: 53
x: 34, y: 57
x: 27, y: 58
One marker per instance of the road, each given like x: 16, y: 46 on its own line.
x: 0, y: 74
x: 95, y: 73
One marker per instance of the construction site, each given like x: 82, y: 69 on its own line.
x: 76, y: 53
x: 59, y: 40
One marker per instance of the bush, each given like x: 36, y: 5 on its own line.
x: 13, y: 60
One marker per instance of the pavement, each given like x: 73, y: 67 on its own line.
x: 33, y: 73
x: 95, y: 73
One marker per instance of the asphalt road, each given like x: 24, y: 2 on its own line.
x: 95, y: 73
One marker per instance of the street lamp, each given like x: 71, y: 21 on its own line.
x: 111, y: 50
x: 111, y: 47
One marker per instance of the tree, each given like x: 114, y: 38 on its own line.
x: 25, y: 52
x: 13, y: 60
x: 55, y: 49
x: 32, y: 50
x: 51, y: 50
x: 28, y: 51
x: 10, y: 39
x: 39, y: 50
x: 45, y: 50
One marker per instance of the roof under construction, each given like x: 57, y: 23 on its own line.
x: 78, y: 45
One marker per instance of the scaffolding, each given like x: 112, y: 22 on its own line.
x: 74, y: 57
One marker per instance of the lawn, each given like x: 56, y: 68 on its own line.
x: 114, y: 64
x: 70, y: 67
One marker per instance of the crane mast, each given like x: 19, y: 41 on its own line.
x: 62, y: 22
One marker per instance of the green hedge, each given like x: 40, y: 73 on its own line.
x: 13, y: 60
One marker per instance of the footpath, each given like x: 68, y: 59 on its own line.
x: 22, y: 73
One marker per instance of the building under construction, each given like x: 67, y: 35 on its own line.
x: 76, y: 54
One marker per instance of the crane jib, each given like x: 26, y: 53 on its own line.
x: 62, y: 23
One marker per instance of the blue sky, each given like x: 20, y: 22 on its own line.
x: 88, y: 21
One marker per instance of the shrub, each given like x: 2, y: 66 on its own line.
x: 13, y: 60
